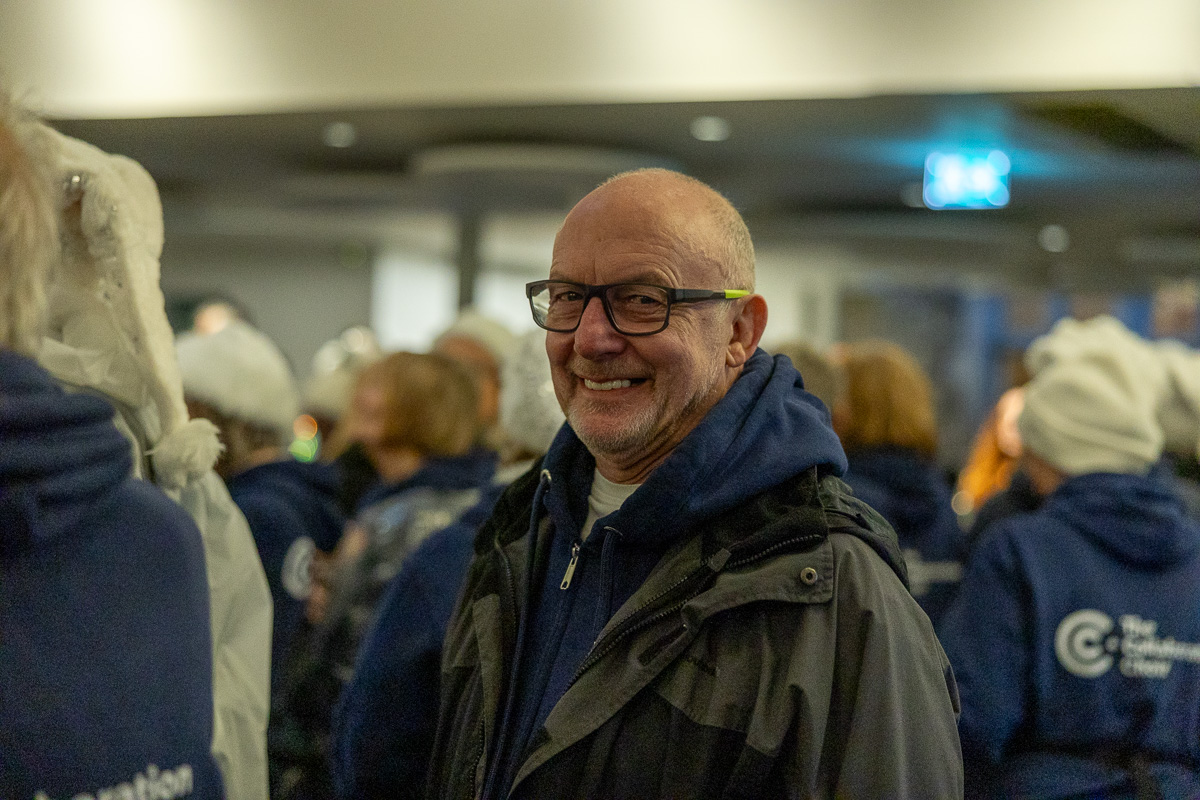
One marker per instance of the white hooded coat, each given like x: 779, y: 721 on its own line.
x: 109, y: 334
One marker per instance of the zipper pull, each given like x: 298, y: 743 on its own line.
x: 566, y: 581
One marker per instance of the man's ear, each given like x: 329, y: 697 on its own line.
x: 748, y: 328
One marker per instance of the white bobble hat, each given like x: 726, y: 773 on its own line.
x: 1084, y: 415
x: 241, y: 373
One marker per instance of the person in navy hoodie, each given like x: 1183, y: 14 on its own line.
x: 415, y: 416
x: 105, y: 660
x: 1076, y: 632
x: 888, y: 425
x: 239, y: 380
x: 384, y: 723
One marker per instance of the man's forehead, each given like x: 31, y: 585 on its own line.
x: 622, y: 230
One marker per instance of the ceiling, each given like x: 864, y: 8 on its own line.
x: 1119, y: 170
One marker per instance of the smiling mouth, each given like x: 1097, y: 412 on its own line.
x: 607, y: 386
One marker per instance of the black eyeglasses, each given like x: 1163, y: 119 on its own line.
x: 633, y: 309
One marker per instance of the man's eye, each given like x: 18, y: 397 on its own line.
x: 641, y: 299
x: 566, y: 296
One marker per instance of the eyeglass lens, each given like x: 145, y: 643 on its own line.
x: 633, y: 308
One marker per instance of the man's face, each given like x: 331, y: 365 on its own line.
x: 631, y: 399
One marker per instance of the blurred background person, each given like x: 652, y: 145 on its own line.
x: 888, y: 427
x: 239, y: 380
x: 416, y: 418
x: 106, y: 663
x: 992, y: 483
x: 1176, y: 385
x: 822, y: 376
x: 327, y: 391
x: 1075, y: 636
x: 385, y: 720
x: 995, y: 451
x: 481, y: 345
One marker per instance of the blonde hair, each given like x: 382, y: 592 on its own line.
x: 889, y: 399
x: 29, y: 242
x: 431, y: 402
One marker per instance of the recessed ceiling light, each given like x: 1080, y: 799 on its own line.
x: 340, y: 134
x: 1054, y: 239
x: 710, y: 129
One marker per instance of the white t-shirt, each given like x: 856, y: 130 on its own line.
x: 605, y: 498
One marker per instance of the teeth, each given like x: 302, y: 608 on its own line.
x: 606, y: 385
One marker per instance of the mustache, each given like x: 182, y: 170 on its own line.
x: 604, y: 370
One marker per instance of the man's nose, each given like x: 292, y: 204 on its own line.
x: 595, y: 335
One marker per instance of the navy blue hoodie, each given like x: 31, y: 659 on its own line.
x: 384, y: 724
x: 105, y: 659
x: 291, y: 509
x: 1075, y: 639
x: 765, y: 430
x: 909, y: 492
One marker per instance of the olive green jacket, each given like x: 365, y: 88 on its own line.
x: 774, y: 653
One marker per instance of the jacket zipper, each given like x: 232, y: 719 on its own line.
x: 632, y: 624
x: 566, y: 581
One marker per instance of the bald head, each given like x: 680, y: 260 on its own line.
x: 707, y: 229
x: 631, y: 398
x: 28, y: 231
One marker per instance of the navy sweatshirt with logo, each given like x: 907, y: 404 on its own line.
x: 764, y: 431
x: 292, y: 510
x: 910, y: 493
x: 1075, y: 638
x: 105, y: 660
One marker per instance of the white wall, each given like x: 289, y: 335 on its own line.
x: 134, y: 58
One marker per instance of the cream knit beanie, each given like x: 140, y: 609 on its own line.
x: 242, y: 374
x: 1083, y: 415
x: 1167, y: 371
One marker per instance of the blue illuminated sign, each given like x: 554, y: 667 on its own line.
x: 966, y: 180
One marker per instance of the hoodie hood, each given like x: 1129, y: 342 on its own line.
x: 471, y: 470
x: 1139, y: 519
x: 765, y: 430
x: 900, y: 484
x: 59, y: 454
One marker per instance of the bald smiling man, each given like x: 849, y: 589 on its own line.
x: 682, y: 600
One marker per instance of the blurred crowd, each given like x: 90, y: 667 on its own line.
x: 218, y: 581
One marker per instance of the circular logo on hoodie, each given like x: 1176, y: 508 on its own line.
x: 296, y: 574
x: 1079, y: 643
